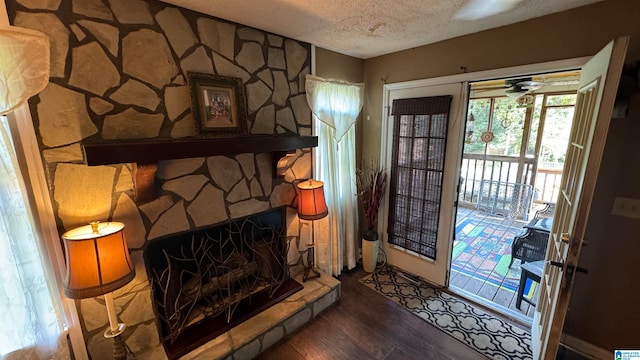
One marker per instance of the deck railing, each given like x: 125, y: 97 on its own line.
x: 512, y: 169
x: 548, y: 184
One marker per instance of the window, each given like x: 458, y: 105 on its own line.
x: 28, y: 308
x: 419, y: 144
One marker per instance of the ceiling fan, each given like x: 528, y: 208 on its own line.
x: 515, y: 87
x: 519, y: 87
x: 478, y: 9
x: 511, y: 87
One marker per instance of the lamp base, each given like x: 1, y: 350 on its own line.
x: 113, y: 333
x: 120, y: 348
x: 310, y: 271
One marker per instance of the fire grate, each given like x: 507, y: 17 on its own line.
x: 207, y: 281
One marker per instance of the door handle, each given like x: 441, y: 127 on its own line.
x: 570, y: 268
x: 564, y: 237
x: 556, y: 264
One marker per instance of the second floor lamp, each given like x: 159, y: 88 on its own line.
x: 311, y: 206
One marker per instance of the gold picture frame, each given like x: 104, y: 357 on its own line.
x: 218, y: 105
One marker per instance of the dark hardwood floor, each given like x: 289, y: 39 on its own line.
x: 365, y: 325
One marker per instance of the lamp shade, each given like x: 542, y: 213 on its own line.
x: 24, y: 65
x: 311, y: 203
x: 97, y: 260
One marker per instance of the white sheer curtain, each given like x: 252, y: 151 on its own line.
x: 336, y: 105
x: 30, y: 323
x: 26, y: 71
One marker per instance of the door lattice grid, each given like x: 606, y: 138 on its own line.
x: 419, y: 143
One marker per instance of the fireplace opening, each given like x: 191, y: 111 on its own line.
x: 206, y: 281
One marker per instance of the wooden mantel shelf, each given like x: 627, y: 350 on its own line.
x: 150, y: 152
x: 145, y: 154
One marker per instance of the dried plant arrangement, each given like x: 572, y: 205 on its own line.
x: 371, y: 182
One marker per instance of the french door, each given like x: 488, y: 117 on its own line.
x: 419, y: 211
x: 597, y: 90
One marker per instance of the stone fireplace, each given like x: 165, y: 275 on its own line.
x: 204, y: 282
x: 118, y: 73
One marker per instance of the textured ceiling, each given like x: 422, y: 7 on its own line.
x: 368, y: 28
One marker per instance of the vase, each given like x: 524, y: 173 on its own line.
x: 370, y: 248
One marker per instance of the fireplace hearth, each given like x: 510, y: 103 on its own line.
x: 207, y: 281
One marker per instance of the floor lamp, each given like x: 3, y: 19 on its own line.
x: 311, y: 206
x: 98, y: 263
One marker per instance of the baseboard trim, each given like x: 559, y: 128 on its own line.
x: 585, y: 348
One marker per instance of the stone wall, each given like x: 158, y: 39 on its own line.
x: 118, y: 71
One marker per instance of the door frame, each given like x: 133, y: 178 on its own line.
x: 386, y: 142
x: 434, y: 270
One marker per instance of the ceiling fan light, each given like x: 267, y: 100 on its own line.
x: 478, y: 9
x: 530, y: 83
x: 515, y: 94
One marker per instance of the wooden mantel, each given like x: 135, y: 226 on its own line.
x: 145, y: 154
x: 150, y: 152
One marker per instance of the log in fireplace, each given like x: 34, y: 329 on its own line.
x: 205, y: 282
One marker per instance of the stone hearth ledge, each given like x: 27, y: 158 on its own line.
x: 257, y: 334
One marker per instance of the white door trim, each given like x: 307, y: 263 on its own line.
x: 459, y: 114
x: 434, y: 271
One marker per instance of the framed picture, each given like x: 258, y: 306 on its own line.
x: 218, y: 105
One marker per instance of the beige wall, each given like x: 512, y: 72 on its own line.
x: 574, y: 33
x: 332, y: 65
x: 602, y: 310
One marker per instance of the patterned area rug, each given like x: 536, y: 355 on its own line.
x: 482, y: 250
x: 487, y: 334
